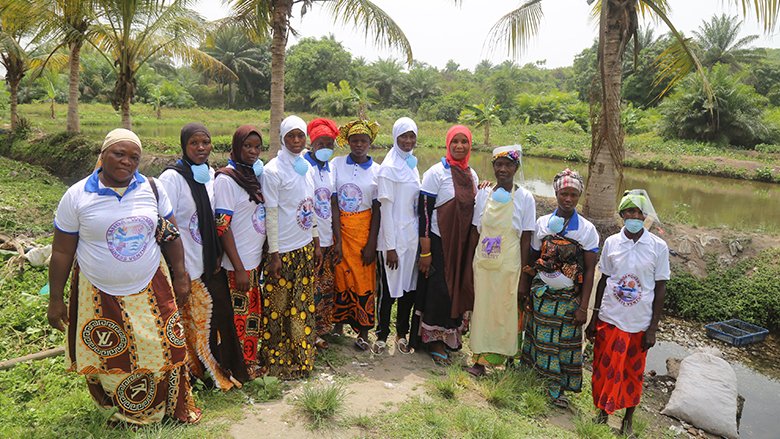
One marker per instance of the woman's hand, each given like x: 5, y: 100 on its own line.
x: 580, y: 317
x: 317, y: 258
x: 590, y: 331
x: 425, y: 265
x: 275, y: 266
x: 648, y: 340
x: 485, y: 184
x: 336, y: 254
x: 392, y: 259
x: 368, y: 254
x: 57, y: 314
x: 181, y: 288
x: 242, y: 280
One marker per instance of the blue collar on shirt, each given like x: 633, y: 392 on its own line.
x: 574, y: 222
x: 314, y: 162
x: 93, y: 184
x: 367, y: 164
x: 444, y: 162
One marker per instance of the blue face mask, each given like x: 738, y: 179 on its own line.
x: 323, y: 154
x: 501, y: 195
x: 555, y: 224
x: 411, y: 161
x: 634, y: 225
x: 258, y: 168
x: 201, y: 173
x: 301, y: 166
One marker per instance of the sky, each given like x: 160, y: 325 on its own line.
x: 439, y: 32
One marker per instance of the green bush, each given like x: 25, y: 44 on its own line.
x: 766, y: 148
x: 733, y: 117
x: 748, y: 290
x: 552, y: 107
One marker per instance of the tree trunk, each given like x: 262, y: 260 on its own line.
x: 14, y: 89
x: 53, y: 116
x: 159, y: 112
x: 487, y: 135
x: 282, y: 9
x: 127, y: 123
x: 73, y: 125
x: 605, y: 169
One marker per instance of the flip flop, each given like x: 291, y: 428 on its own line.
x: 440, y: 359
x: 561, y: 402
x: 362, y: 344
x: 476, y: 371
x: 379, y: 347
x: 321, y: 343
x: 403, y: 346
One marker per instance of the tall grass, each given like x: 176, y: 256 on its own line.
x: 321, y: 404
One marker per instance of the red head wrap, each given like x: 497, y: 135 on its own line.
x: 322, y: 127
x: 452, y: 132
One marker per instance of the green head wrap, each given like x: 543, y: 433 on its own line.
x: 633, y: 200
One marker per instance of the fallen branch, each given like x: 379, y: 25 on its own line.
x: 53, y: 352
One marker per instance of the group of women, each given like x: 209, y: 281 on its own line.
x: 262, y: 260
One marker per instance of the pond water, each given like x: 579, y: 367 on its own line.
x: 762, y: 393
x: 700, y: 200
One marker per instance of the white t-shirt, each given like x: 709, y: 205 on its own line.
x: 293, y: 194
x: 116, y: 250
x: 578, y: 229
x: 355, y: 183
x: 398, y: 227
x: 437, y: 182
x: 187, y: 217
x: 523, y: 216
x: 633, y: 268
x: 323, y: 189
x: 247, y: 223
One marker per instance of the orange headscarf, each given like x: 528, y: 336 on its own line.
x: 454, y: 130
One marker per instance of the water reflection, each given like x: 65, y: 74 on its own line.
x: 704, y: 201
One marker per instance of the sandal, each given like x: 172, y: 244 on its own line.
x: 403, y: 346
x: 362, y: 344
x: 561, y: 402
x: 440, y: 359
x: 379, y: 347
x: 321, y: 343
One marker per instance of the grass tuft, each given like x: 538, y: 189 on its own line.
x: 321, y: 404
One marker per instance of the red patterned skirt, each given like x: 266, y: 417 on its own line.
x: 618, y: 368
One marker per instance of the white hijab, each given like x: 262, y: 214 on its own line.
x: 288, y: 124
x: 394, y: 165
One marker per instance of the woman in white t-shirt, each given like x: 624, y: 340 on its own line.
x: 322, y: 133
x: 445, y: 289
x: 505, y: 216
x: 287, y: 350
x: 124, y: 330
x: 398, y: 184
x: 240, y: 219
x: 629, y: 302
x: 557, y: 281
x: 208, y: 315
x: 355, y: 240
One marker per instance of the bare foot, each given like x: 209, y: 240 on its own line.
x: 602, y: 417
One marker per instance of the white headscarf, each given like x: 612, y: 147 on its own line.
x: 288, y: 124
x: 394, y: 165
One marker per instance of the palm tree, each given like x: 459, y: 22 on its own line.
x: 20, y: 49
x: 483, y: 115
x: 618, y: 24
x: 719, y: 42
x: 386, y: 77
x: 132, y: 32
x: 71, y: 23
x: 272, y: 17
x: 231, y: 46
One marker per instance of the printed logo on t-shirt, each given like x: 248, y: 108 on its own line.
x: 350, y: 197
x: 628, y: 290
x: 305, y: 214
x: 128, y: 237
x: 258, y: 219
x: 194, y: 229
x: 490, y: 247
x: 322, y: 202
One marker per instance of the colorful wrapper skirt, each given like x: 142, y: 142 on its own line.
x: 132, y: 351
x: 246, y: 317
x: 287, y: 349
x: 323, y: 294
x: 355, y: 297
x: 553, y: 343
x: 618, y: 368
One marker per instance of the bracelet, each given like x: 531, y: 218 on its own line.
x: 425, y: 255
x: 594, y: 309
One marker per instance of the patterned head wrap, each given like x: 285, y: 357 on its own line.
x: 322, y: 128
x: 630, y: 200
x: 512, y: 152
x: 368, y: 127
x: 568, y: 178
